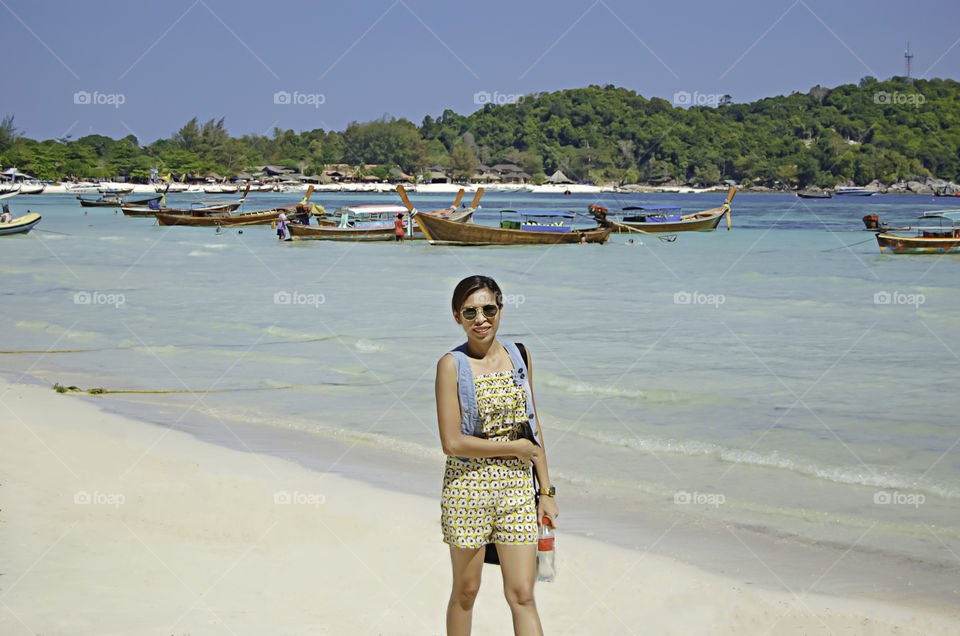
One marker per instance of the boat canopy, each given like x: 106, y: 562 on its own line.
x: 950, y: 215
x: 661, y: 208
x: 373, y: 209
x: 535, y: 213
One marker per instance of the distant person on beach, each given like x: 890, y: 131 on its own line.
x: 491, y: 435
x: 398, y: 227
x: 6, y: 217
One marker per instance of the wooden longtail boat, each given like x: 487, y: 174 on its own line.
x: 662, y: 220
x: 814, y: 195
x: 20, y: 225
x: 110, y: 201
x: 209, y: 209
x: 376, y: 222
x: 198, y: 211
x: 440, y: 231
x: 939, y: 239
x: 259, y: 217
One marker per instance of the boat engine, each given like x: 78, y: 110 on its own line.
x: 872, y: 221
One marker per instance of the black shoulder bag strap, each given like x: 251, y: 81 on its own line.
x: 490, y: 554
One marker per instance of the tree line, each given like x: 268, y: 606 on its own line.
x: 873, y: 130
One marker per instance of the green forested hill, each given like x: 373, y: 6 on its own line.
x: 875, y: 130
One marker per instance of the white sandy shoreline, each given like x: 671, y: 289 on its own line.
x: 109, y: 525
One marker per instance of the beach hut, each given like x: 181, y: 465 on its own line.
x: 558, y: 177
x: 510, y: 173
x: 397, y: 174
x: 485, y: 176
x: 438, y: 174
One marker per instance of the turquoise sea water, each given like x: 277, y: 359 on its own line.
x: 768, y: 376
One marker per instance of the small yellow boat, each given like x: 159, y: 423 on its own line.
x: 21, y: 224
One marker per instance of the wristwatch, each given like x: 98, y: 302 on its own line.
x: 549, y: 493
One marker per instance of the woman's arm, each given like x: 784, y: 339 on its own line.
x: 548, y: 505
x: 453, y: 441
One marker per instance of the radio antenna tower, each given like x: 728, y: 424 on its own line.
x: 908, y: 56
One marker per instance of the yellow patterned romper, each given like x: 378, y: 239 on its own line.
x: 489, y: 499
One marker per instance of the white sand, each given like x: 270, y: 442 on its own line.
x: 183, y: 537
x: 428, y: 188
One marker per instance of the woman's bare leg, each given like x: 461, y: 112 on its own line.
x: 519, y: 566
x: 467, y: 568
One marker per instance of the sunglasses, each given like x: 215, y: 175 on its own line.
x: 470, y: 313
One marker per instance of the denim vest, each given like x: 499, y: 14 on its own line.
x: 469, y: 413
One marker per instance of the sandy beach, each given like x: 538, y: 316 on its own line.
x: 424, y: 188
x: 113, y: 526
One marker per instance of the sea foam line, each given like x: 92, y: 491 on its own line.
x: 869, y: 476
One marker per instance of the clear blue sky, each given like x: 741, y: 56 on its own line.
x: 176, y: 59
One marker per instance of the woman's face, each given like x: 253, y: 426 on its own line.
x: 481, y: 329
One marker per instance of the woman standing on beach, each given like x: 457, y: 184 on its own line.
x: 487, y: 418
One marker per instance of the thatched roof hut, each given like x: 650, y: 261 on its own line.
x: 558, y: 177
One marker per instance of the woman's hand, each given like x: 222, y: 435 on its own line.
x: 526, y: 451
x: 547, y: 508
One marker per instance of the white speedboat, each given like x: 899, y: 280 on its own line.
x: 855, y: 192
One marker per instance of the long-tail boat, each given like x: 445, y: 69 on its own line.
x: 115, y: 201
x: 203, y: 209
x: 377, y: 222
x: 809, y: 194
x: 259, y: 217
x: 664, y: 219
x: 933, y: 239
x: 441, y: 231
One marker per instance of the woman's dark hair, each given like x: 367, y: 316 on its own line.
x: 471, y: 284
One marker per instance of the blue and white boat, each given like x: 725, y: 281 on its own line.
x: 855, y: 192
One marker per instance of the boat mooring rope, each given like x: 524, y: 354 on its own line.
x: 851, y: 245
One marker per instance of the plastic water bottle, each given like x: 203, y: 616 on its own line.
x: 546, y: 542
